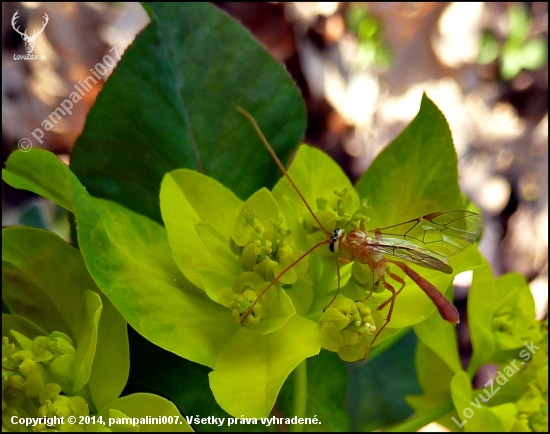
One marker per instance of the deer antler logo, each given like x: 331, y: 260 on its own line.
x: 29, y: 40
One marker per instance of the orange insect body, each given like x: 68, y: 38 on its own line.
x: 357, y: 246
x: 361, y: 246
x: 426, y: 241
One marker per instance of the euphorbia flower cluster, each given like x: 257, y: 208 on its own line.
x: 79, y: 371
x: 185, y: 286
x: 233, y: 250
x: 34, y: 373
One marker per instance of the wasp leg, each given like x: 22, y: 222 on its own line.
x: 372, y: 285
x: 345, y: 261
x: 390, y: 300
x: 397, y: 279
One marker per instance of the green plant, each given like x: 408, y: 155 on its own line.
x: 371, y: 48
x: 518, y: 51
x: 65, y: 346
x: 175, y: 251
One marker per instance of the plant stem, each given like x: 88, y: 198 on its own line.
x: 300, y: 395
x: 420, y: 420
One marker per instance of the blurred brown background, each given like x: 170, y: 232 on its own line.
x: 362, y: 69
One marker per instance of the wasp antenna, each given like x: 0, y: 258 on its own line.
x: 278, y: 162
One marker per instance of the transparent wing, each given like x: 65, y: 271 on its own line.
x: 416, y: 256
x: 428, y: 240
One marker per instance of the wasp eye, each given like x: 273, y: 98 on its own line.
x: 334, y: 240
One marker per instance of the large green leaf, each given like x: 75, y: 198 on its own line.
x: 171, y: 103
x: 187, y: 198
x: 257, y: 365
x: 22, y: 325
x: 40, y: 171
x: 414, y: 175
x: 129, y: 258
x: 191, y: 392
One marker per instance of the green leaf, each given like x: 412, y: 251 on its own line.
x: 481, y: 309
x: 440, y: 336
x: 171, y: 103
x: 21, y: 325
x: 461, y: 391
x: 187, y: 199
x: 519, y: 23
x: 129, y: 257
x: 510, y: 62
x: 491, y: 420
x: 534, y: 54
x: 430, y: 365
x: 514, y: 323
x: 45, y: 280
x: 87, y: 339
x: 474, y: 415
x: 414, y: 175
x: 253, y: 366
x: 42, y: 173
x: 191, y: 392
x: 145, y: 406
x: 506, y: 414
x: 489, y: 48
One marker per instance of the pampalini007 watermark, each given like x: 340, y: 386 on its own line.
x: 99, y: 71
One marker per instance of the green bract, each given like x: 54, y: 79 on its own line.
x: 187, y: 295
x: 201, y: 218
x: 232, y: 250
x: 129, y: 257
x: 517, y: 398
x: 502, y: 317
x: 65, y: 347
x: 46, y: 282
x: 184, y: 269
